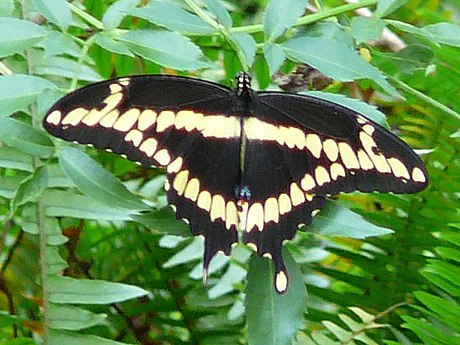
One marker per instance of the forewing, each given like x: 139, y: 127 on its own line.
x: 182, y: 124
x: 338, y: 150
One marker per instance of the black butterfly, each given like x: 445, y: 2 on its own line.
x: 260, y: 162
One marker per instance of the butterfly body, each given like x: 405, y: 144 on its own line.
x: 236, y: 159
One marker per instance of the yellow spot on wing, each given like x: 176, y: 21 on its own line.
x: 255, y: 217
x: 322, y: 176
x: 297, y: 196
x: 146, y: 119
x: 184, y: 118
x: 127, y: 120
x: 193, y: 189
x: 204, y: 200
x: 418, y: 175
x: 124, y: 81
x: 307, y: 183
x: 369, y: 129
x: 337, y: 170
x: 135, y: 136
x: 180, y: 181
x: 281, y: 282
x: 54, y: 117
x: 109, y: 119
x: 175, y: 165
x: 331, y: 149
x: 364, y: 160
x: 271, y: 212
x: 162, y: 157
x: 220, y: 126
x: 398, y: 168
x: 149, y: 146
x: 313, y: 143
x: 256, y: 129
x: 165, y: 120
x: 348, y: 157
x: 217, y: 208
x: 114, y: 88
x: 284, y: 202
x: 231, y: 215
x: 74, y: 117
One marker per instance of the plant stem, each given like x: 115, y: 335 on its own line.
x: 86, y: 16
x: 40, y: 208
x: 424, y: 98
x: 223, y: 31
x: 310, y: 18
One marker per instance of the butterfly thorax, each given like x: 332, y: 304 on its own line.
x: 244, y: 95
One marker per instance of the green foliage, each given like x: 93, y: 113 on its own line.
x: 84, y: 260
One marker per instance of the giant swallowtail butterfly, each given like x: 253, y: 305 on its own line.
x: 237, y: 159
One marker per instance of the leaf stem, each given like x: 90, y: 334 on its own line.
x: 86, y: 16
x: 223, y: 31
x: 310, y: 18
x: 86, y: 45
x: 424, y: 98
x: 360, y: 330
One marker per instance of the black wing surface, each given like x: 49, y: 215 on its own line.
x: 301, y: 149
x: 182, y: 124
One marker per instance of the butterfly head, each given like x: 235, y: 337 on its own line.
x: 243, y: 83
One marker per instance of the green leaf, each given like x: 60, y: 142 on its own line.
x: 163, y: 221
x: 25, y: 138
x: 54, y: 262
x: 219, y: 11
x: 14, y: 159
x: 365, y: 29
x: 385, y: 7
x: 339, y: 332
x: 281, y: 15
x: 17, y: 35
x: 273, y: 319
x: 56, y: 11
x: 336, y: 220
x: 84, y: 291
x: 9, y: 185
x: 165, y: 48
x: 192, y: 252
x: 71, y: 338
x: 68, y: 68
x: 275, y: 56
x: 31, y: 189
x: 58, y: 43
x: 446, y: 33
x: 247, y: 45
x: 69, y: 204
x: 335, y: 59
x: 6, y: 8
x: 448, y: 310
x: 73, y: 318
x: 369, y: 111
x: 173, y: 17
x: 104, y: 40
x: 54, y: 236
x: 94, y: 181
x: 232, y: 276
x: 18, y: 91
x: 116, y: 12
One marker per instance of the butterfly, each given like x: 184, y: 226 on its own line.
x: 239, y: 161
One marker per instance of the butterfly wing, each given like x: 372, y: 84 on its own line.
x: 172, y: 122
x: 299, y: 150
